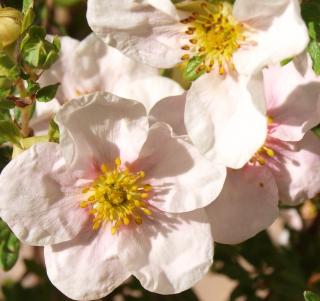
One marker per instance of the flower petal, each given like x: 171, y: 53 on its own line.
x: 99, y: 127
x: 98, y: 67
x: 39, y: 198
x: 182, y: 178
x: 247, y: 205
x: 285, y: 88
x: 225, y: 118
x: 168, y: 253
x: 86, y: 268
x: 147, y: 91
x: 296, y: 169
x: 138, y: 29
x: 279, y: 33
x: 171, y: 111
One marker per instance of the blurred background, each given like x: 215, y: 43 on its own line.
x: 276, y: 265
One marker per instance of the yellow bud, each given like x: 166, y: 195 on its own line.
x: 10, y: 25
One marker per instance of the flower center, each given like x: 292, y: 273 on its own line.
x: 117, y: 196
x: 214, y: 35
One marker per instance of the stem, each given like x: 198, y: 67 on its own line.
x: 25, y: 130
x: 25, y: 115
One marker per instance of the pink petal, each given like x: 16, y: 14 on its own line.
x: 292, y: 94
x: 183, y: 179
x: 247, y: 205
x: 168, y: 253
x: 171, y: 111
x: 38, y: 197
x: 99, y: 127
x: 296, y: 169
x: 86, y: 268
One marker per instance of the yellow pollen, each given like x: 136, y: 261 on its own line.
x: 117, y: 196
x: 216, y: 35
x: 262, y: 155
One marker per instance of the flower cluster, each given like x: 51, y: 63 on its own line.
x: 146, y: 174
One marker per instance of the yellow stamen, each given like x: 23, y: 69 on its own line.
x: 117, y: 196
x: 216, y: 35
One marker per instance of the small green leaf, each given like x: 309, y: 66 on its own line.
x: 27, y: 20
x: 54, y: 132
x: 33, y: 87
x: 47, y: 93
x: 67, y: 2
x: 314, y: 51
x: 316, y: 130
x: 9, y: 132
x: 190, y: 72
x: 310, y: 296
x: 6, y: 104
x: 8, y: 68
x: 9, y: 247
x: 56, y: 42
x: 36, y: 51
x: 286, y: 61
x: 27, y: 4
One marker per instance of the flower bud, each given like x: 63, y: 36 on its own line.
x: 10, y: 25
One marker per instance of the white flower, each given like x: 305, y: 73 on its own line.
x: 130, y: 183
x: 91, y: 66
x: 245, y: 37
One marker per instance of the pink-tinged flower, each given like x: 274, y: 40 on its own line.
x: 244, y: 37
x: 286, y: 167
x: 110, y: 201
x: 287, y: 163
x: 225, y: 117
x: 91, y: 66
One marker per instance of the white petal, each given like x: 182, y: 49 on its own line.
x: 247, y: 205
x: 183, y: 179
x: 149, y: 90
x: 169, y: 253
x: 277, y: 36
x: 99, y: 127
x: 138, y: 29
x: 171, y: 111
x: 86, y: 268
x: 225, y: 118
x: 244, y: 10
x: 39, y: 199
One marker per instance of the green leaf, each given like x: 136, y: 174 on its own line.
x: 9, y: 132
x: 67, y: 2
x: 27, y: 4
x: 47, y: 93
x: 6, y: 104
x: 286, y: 61
x: 9, y: 247
x: 314, y: 51
x: 191, y: 73
x: 310, y: 296
x: 54, y: 132
x: 316, y: 130
x: 27, y: 20
x: 8, y: 68
x: 36, y: 51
